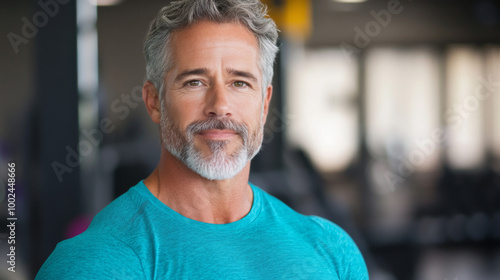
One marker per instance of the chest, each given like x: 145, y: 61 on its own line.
x: 239, y: 256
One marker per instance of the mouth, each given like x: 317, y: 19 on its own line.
x: 218, y: 134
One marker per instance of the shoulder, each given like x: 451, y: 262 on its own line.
x: 329, y: 228
x: 121, y: 209
x: 341, y: 248
x: 89, y: 256
x: 98, y: 252
x: 315, y: 225
x: 276, y: 209
x: 323, y: 234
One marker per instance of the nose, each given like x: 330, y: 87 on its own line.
x: 217, y: 102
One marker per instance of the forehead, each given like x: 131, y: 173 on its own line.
x: 212, y: 42
x: 216, y: 32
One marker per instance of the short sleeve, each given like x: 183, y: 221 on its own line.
x: 343, y: 250
x: 91, y: 257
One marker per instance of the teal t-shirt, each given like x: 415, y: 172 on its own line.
x: 139, y: 237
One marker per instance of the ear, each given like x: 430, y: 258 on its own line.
x: 151, y: 100
x: 267, y: 100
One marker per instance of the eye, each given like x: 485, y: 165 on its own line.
x: 240, y: 84
x: 193, y: 83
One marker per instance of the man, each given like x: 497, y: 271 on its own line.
x: 209, y: 71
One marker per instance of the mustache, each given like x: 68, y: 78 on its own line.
x: 218, y: 123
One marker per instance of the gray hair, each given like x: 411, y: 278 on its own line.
x: 181, y: 14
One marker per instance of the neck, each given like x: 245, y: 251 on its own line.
x: 197, y: 198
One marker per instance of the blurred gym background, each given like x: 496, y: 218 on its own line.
x: 385, y: 119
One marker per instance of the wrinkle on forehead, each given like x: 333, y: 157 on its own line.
x: 229, y: 46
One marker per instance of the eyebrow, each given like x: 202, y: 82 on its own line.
x: 243, y: 74
x: 197, y: 71
x: 204, y: 71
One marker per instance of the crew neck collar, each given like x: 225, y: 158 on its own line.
x: 241, y: 223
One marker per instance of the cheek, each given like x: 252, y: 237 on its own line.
x: 249, y: 103
x: 177, y: 116
x: 253, y: 115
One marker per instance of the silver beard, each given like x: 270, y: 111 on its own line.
x: 219, y: 165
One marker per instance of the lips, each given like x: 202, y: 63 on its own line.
x: 218, y: 129
x: 218, y: 134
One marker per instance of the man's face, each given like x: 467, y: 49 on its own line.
x: 213, y: 112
